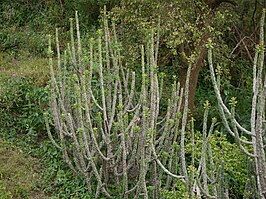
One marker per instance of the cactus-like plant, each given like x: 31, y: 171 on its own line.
x: 256, y: 136
x: 113, y: 132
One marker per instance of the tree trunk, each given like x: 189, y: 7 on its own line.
x: 194, y: 72
x: 193, y: 83
x: 201, y: 51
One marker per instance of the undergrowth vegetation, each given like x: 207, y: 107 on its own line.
x: 18, y: 173
x: 35, y: 169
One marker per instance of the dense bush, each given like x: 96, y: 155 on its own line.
x: 22, y: 105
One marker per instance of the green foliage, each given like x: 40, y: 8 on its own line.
x: 3, y: 192
x: 236, y: 81
x: 21, y: 109
x: 22, y: 106
x: 59, y: 180
x: 25, y: 24
x: 233, y: 159
x: 179, y: 190
x: 25, y: 66
x: 182, y: 26
x: 18, y: 173
x: 19, y: 30
x: 229, y: 154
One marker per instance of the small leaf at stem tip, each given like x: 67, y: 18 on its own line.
x: 100, y: 32
x: 63, y: 116
x: 150, y: 132
x: 137, y: 129
x: 170, y: 121
x: 192, y: 58
x: 207, y: 105
x: 165, y: 155
x: 91, y: 41
x: 175, y: 145
x: 193, y: 119
x: 86, y: 72
x: 147, y: 112
x: 86, y: 59
x: 174, y: 77
x: 218, y: 70
x: 120, y: 107
x: 162, y: 75
x: 75, y: 105
x: 79, y: 130
x: 75, y: 77
x: 259, y: 48
x: 209, y: 44
x: 179, y: 115
x: 233, y: 101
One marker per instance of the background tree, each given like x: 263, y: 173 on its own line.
x: 185, y: 28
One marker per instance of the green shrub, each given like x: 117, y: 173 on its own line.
x: 14, y: 40
x: 21, y: 107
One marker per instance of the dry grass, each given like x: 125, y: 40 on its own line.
x: 35, y: 68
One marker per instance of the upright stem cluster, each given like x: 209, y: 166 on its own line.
x: 256, y: 136
x: 113, y: 132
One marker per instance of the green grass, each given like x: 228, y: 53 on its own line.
x: 22, y: 102
x: 19, y: 173
x: 24, y: 73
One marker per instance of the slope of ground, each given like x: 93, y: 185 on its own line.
x: 19, y: 173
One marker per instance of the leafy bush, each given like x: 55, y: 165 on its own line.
x: 21, y: 107
x: 14, y: 40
